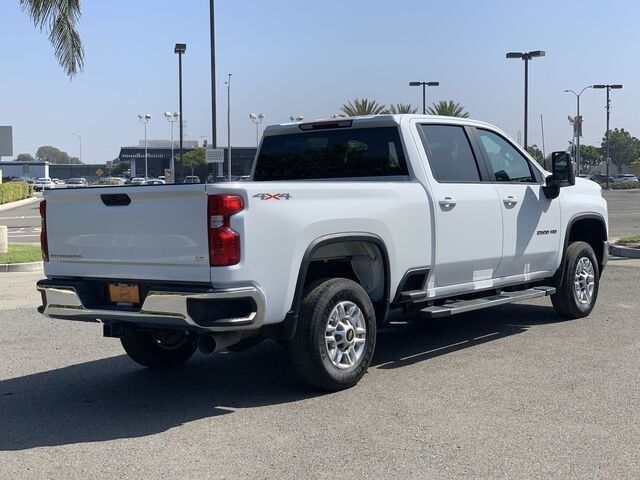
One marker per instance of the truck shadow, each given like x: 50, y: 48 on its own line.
x: 113, y: 398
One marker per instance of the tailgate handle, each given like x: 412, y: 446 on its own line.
x: 116, y: 199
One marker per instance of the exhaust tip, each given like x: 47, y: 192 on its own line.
x: 206, y: 343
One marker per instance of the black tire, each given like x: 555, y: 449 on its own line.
x: 308, y: 351
x: 565, y: 301
x: 162, y: 349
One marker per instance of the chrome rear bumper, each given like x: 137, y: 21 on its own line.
x: 207, y: 312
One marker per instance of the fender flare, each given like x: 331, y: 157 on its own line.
x: 291, y: 318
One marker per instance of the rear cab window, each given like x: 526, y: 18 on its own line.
x: 365, y: 152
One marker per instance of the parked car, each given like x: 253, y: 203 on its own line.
x: 155, y: 181
x: 600, y: 178
x: 191, y: 179
x: 78, y: 182
x: 138, y: 181
x: 117, y: 181
x: 625, y: 178
x: 44, y: 183
x: 57, y: 181
x: 344, y: 221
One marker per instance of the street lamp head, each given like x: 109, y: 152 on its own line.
x: 140, y: 117
x: 433, y: 84
x: 514, y: 55
x: 537, y: 53
x: 261, y: 116
x: 253, y: 116
x: 147, y: 116
x: 167, y: 114
x: 180, y: 48
x: 617, y: 86
x: 176, y: 114
x: 599, y: 86
x: 415, y: 84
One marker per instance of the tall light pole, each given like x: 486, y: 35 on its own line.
x: 609, y: 88
x: 424, y: 92
x: 257, y: 119
x: 228, y: 82
x: 172, y: 118
x: 526, y: 56
x: 145, y: 119
x: 212, y: 34
x: 577, y: 124
x: 180, y: 48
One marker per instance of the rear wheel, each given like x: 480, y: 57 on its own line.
x: 576, y: 296
x: 335, y: 338
x: 159, y: 349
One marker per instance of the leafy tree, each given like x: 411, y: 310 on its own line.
x: 536, y: 153
x: 623, y: 148
x: 59, y: 18
x: 402, y: 108
x: 193, y: 158
x: 51, y: 154
x: 25, y: 157
x: 448, y: 109
x: 590, y: 156
x: 119, y: 168
x: 362, y: 107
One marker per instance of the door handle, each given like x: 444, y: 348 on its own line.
x: 510, y: 200
x: 448, y: 202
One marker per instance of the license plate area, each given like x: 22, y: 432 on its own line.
x: 124, y: 294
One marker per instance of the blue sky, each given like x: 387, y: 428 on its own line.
x: 307, y: 58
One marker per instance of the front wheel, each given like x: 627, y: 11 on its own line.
x: 577, y: 294
x: 336, y: 334
x: 159, y: 349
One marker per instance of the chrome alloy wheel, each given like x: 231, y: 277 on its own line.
x: 345, y: 335
x: 584, y: 280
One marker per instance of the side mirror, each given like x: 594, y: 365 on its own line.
x: 562, y: 174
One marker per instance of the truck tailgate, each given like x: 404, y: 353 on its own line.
x: 140, y: 233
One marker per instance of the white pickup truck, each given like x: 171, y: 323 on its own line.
x: 342, y: 221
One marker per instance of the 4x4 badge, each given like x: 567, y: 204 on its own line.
x: 272, y: 196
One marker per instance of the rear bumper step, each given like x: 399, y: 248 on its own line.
x: 206, y: 312
x: 461, y: 306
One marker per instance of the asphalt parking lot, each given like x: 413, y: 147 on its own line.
x: 506, y: 393
x: 624, y: 212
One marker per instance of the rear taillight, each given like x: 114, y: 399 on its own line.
x: 224, y: 241
x: 44, y: 246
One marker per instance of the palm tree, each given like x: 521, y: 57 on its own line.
x: 448, y: 109
x: 402, y: 108
x: 362, y: 107
x: 59, y: 18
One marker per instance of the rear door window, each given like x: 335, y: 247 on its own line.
x: 327, y: 154
x: 450, y: 155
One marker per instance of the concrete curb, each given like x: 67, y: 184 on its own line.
x: 620, y: 251
x: 19, y: 203
x: 20, y: 267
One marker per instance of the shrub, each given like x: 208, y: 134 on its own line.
x: 10, y: 192
x: 619, y: 186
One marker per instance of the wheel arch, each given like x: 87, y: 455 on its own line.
x: 590, y: 228
x: 317, y: 251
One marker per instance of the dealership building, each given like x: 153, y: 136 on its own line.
x: 158, y: 154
